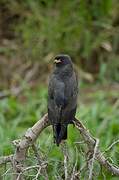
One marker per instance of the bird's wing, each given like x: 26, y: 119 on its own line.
x: 71, y: 88
x: 56, y: 99
x: 59, y: 97
x: 56, y: 91
x: 71, y: 92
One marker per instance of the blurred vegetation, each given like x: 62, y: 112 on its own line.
x: 38, y: 30
x: 31, y: 34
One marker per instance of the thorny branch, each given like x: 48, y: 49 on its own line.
x: 22, y: 145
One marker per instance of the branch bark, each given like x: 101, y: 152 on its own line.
x: 32, y: 134
x: 6, y: 159
x: 23, y: 144
x: 91, y: 141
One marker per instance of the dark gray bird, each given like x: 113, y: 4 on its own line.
x: 62, y: 97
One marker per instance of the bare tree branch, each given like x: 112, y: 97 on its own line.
x: 40, y: 161
x: 6, y: 159
x: 90, y: 140
x: 75, y: 174
x: 22, y: 145
x: 91, y: 161
x: 64, y: 150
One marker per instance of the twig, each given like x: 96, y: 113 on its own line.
x: 40, y: 161
x: 80, y: 142
x: 23, y: 145
x: 64, y: 150
x: 6, y: 172
x: 74, y: 173
x: 90, y: 141
x: 37, y: 154
x: 38, y: 173
x: 26, y: 169
x: 6, y: 159
x: 32, y: 134
x: 91, y: 161
x: 110, y: 147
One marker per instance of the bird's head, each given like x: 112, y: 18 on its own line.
x: 62, y: 60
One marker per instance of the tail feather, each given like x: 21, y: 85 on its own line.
x: 60, y: 133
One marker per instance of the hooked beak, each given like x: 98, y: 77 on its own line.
x: 57, y: 61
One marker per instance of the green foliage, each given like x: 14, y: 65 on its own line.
x: 47, y: 26
x: 100, y: 116
x: 78, y: 28
x: 87, y: 30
